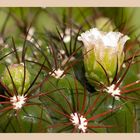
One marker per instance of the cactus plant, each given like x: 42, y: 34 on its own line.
x: 69, y: 70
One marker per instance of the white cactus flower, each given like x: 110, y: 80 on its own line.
x: 79, y: 121
x: 18, y: 101
x: 107, y: 39
x: 105, y: 48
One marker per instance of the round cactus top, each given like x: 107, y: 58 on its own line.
x: 17, y: 76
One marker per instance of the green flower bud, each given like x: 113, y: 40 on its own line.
x: 103, y: 51
x: 17, y: 73
x: 105, y: 24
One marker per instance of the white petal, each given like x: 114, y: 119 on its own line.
x: 98, y: 38
x: 111, y: 39
x: 123, y: 40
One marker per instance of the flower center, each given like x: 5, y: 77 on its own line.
x: 79, y: 121
x: 113, y: 92
x: 17, y: 101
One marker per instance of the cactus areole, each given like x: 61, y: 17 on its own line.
x: 13, y: 77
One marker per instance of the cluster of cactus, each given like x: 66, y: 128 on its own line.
x: 70, y: 70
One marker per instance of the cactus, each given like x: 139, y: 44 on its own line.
x: 69, y: 70
x: 17, y: 75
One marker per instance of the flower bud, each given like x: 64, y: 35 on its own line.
x: 103, y: 51
x: 17, y: 74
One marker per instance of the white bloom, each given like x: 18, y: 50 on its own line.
x: 113, y: 92
x: 101, y: 42
x: 104, y: 39
x: 79, y: 121
x: 57, y: 73
x: 18, y: 101
x: 102, y: 49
